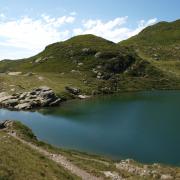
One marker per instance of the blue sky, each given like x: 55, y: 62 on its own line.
x: 26, y: 27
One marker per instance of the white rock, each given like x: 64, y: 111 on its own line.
x: 166, y: 177
x: 112, y: 175
x: 40, y: 78
x: 80, y: 64
x: 83, y: 96
x: 14, y: 73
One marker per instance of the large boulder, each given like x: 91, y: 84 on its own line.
x: 39, y: 97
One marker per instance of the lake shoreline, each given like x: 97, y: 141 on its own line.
x: 127, y: 167
x: 102, y: 96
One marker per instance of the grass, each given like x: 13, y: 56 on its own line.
x: 117, y: 64
x: 33, y: 165
x: 93, y: 164
x: 19, y: 162
x: 160, y: 46
x: 56, y: 81
x: 129, y: 72
x: 160, y: 41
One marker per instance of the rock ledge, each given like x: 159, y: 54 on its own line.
x: 39, y: 97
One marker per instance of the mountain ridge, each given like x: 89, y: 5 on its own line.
x: 91, y: 63
x: 159, y: 41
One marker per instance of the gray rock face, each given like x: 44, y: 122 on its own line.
x: 39, y: 97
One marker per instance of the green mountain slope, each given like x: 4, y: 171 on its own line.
x: 64, y: 56
x: 160, y: 41
x: 93, y: 64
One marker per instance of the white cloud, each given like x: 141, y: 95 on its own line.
x: 33, y: 34
x: 27, y: 36
x: 57, y: 22
x: 114, y: 30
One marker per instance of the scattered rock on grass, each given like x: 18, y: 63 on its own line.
x: 14, y: 73
x: 72, y: 90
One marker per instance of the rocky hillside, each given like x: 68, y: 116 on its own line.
x: 160, y: 41
x: 90, y: 63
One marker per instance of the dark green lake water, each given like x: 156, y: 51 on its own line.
x: 144, y: 126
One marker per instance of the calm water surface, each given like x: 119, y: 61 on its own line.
x: 144, y: 126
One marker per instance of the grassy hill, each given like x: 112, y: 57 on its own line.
x: 93, y: 64
x: 160, y: 41
x: 160, y: 45
x: 65, y: 56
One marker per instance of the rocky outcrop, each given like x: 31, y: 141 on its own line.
x: 76, y: 92
x: 88, y: 51
x: 5, y: 124
x: 72, y: 90
x: 43, y: 59
x: 98, y: 55
x: 39, y: 97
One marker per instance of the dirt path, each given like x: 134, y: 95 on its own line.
x: 91, y: 159
x: 61, y: 160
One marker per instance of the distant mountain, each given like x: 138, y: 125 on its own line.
x: 92, y: 63
x: 64, y: 56
x: 160, y: 41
